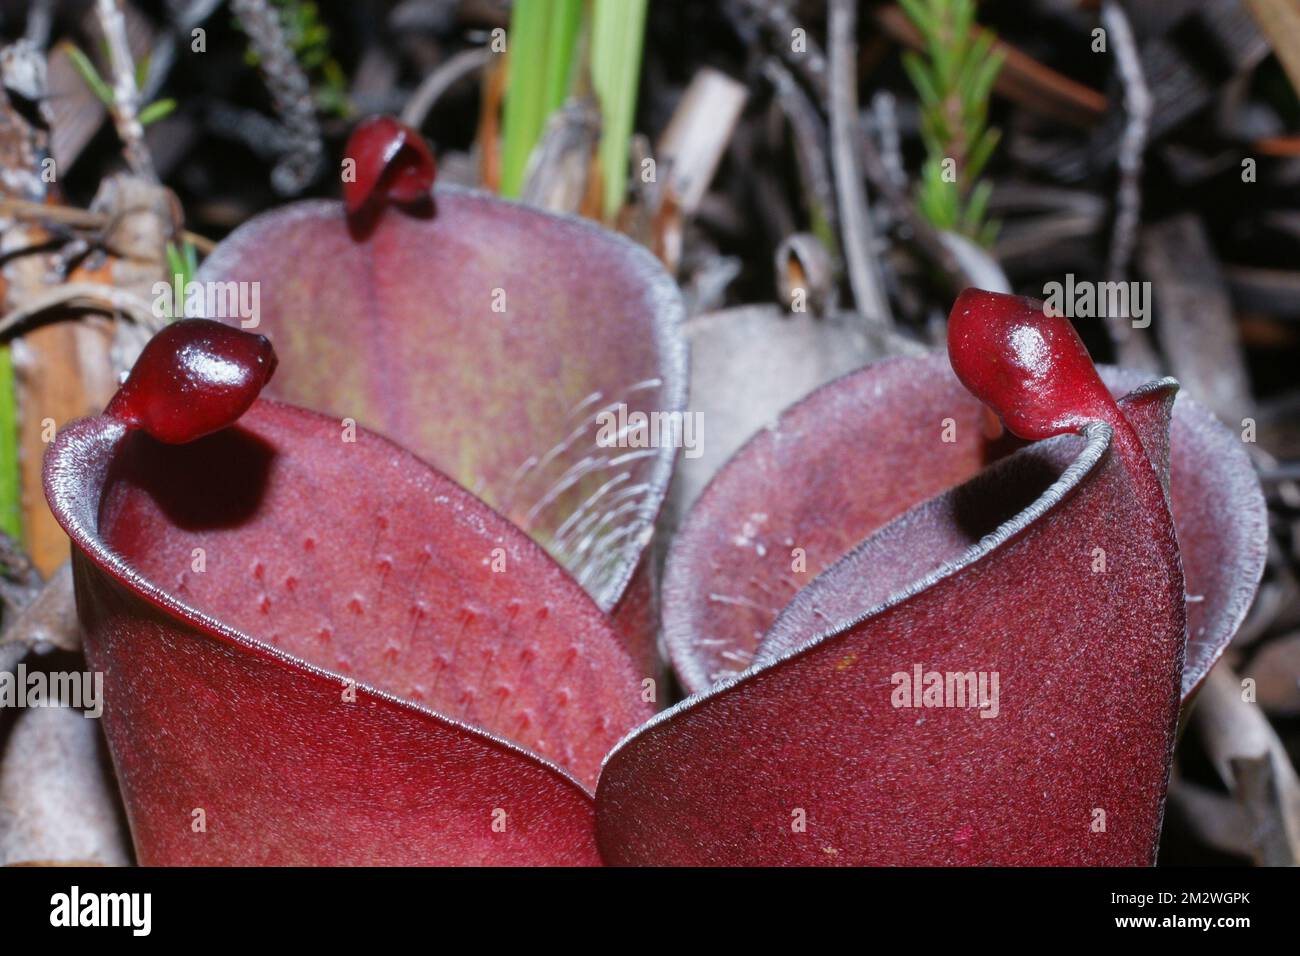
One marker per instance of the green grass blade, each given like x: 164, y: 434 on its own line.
x: 617, y: 33
x: 11, y: 505
x: 540, y: 43
x: 523, y: 115
x: 182, y: 264
x: 565, y: 19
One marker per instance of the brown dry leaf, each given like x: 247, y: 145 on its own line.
x: 1276, y: 670
x: 1196, y: 322
x: 1254, y: 764
x: 76, y: 113
x: 65, y: 370
x: 57, y: 799
x: 47, y: 361
x: 489, y: 125
x: 1280, y: 21
x: 49, y: 621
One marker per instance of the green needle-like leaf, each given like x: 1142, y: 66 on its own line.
x: 86, y: 70
x: 156, y: 111
x: 953, y: 81
x: 919, y: 14
x: 980, y: 152
x: 976, y: 208
x: 918, y: 73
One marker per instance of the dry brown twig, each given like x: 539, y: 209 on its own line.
x: 1197, y: 327
x: 860, y: 257
x: 811, y: 62
x: 696, y: 137
x: 559, y: 171
x: 76, y: 218
x: 1130, y: 343
x: 125, y: 109
x: 1137, y: 104
x: 433, y: 86
x: 92, y: 296
x: 812, y: 66
x: 290, y: 92
x: 808, y: 135
x: 1253, y: 763
x: 1217, y: 821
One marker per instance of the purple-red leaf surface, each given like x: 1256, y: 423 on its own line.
x: 863, y: 450
x: 912, y: 640
x: 1072, y: 702
x: 487, y: 338
x: 331, y: 650
x: 1045, y: 594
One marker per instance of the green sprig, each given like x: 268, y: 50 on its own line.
x: 309, y: 40
x: 954, y: 81
x: 104, y: 93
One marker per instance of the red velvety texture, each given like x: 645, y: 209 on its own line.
x: 326, y: 562
x: 220, y: 485
x: 392, y: 162
x: 862, y: 450
x: 398, y: 331
x: 833, y: 468
x: 1088, y: 665
x: 193, y: 378
x: 943, y: 530
x: 1032, y: 369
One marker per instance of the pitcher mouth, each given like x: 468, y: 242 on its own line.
x: 78, y: 467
